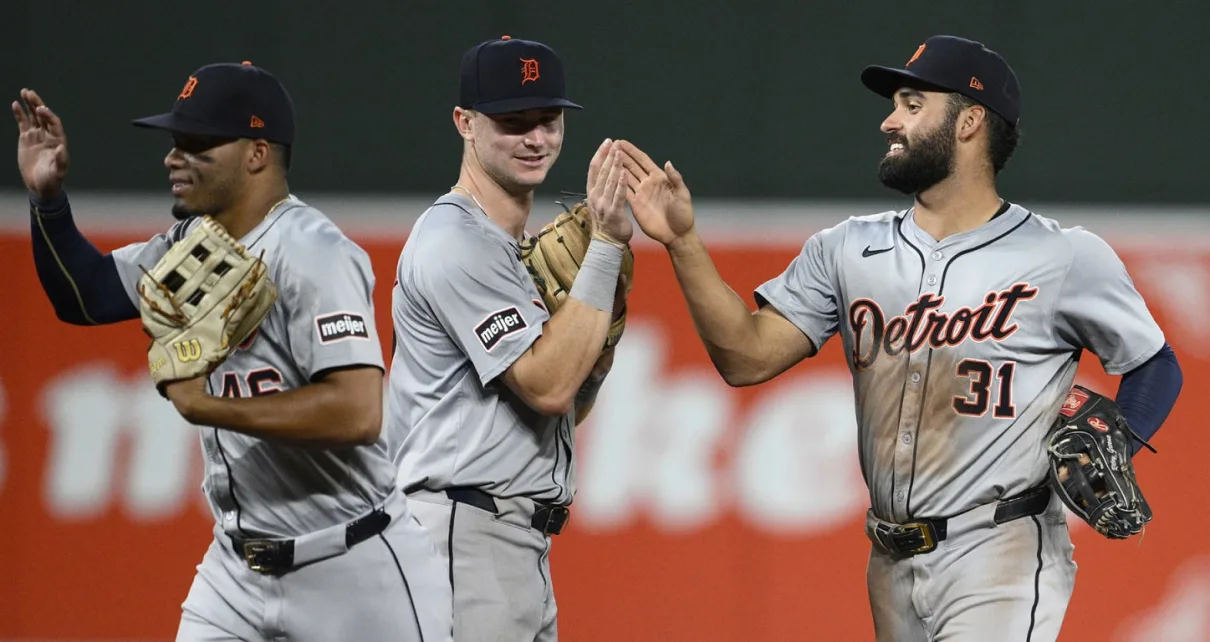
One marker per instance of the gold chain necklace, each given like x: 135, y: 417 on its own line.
x: 274, y: 206
x: 470, y: 194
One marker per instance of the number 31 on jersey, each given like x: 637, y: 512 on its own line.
x: 987, y: 381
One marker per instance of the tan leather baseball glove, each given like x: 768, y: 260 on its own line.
x: 200, y: 301
x: 553, y: 258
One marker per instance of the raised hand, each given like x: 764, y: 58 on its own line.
x: 607, y: 195
x: 41, y: 146
x: 659, y: 199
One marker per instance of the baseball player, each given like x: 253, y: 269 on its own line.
x: 486, y: 385
x: 312, y: 541
x: 962, y: 320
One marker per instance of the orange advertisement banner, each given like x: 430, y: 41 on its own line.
x: 704, y: 513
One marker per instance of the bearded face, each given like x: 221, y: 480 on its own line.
x: 919, y: 160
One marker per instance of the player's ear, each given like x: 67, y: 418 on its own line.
x: 260, y: 155
x: 464, y: 122
x: 970, y: 120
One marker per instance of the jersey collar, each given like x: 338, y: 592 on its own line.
x: 280, y: 208
x: 481, y: 217
x: 1010, y: 214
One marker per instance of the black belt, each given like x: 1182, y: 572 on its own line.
x: 922, y: 535
x: 273, y: 556
x: 547, y: 519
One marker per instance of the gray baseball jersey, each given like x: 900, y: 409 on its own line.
x: 464, y: 310
x: 961, y: 350
x: 323, y: 319
x: 391, y: 586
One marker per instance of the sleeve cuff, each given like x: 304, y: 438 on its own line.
x: 48, y: 209
x: 519, y: 346
x: 813, y: 335
x: 348, y: 361
x: 1115, y: 370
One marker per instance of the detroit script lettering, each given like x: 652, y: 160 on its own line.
x: 923, y: 324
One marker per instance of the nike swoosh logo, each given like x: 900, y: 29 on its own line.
x: 867, y: 252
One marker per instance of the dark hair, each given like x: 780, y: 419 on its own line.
x: 1002, y: 138
x: 283, y: 154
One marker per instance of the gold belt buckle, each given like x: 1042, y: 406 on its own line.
x: 252, y: 551
x: 926, y: 533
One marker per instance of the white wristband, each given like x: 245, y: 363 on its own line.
x: 597, y: 281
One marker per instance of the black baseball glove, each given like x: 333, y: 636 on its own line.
x: 1090, y: 465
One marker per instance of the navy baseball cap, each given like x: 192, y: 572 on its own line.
x: 507, y: 75
x: 953, y: 64
x: 229, y: 100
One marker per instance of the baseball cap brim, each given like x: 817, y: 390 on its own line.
x: 177, y: 123
x: 885, y: 81
x: 509, y: 105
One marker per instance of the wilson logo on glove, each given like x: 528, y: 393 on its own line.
x: 187, y: 351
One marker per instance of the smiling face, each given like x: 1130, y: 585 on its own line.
x: 206, y: 173
x: 921, y: 141
x: 516, y: 149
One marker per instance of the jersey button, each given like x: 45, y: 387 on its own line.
x: 915, y: 377
x: 937, y: 256
x: 932, y: 280
x: 907, y: 438
x: 899, y: 496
